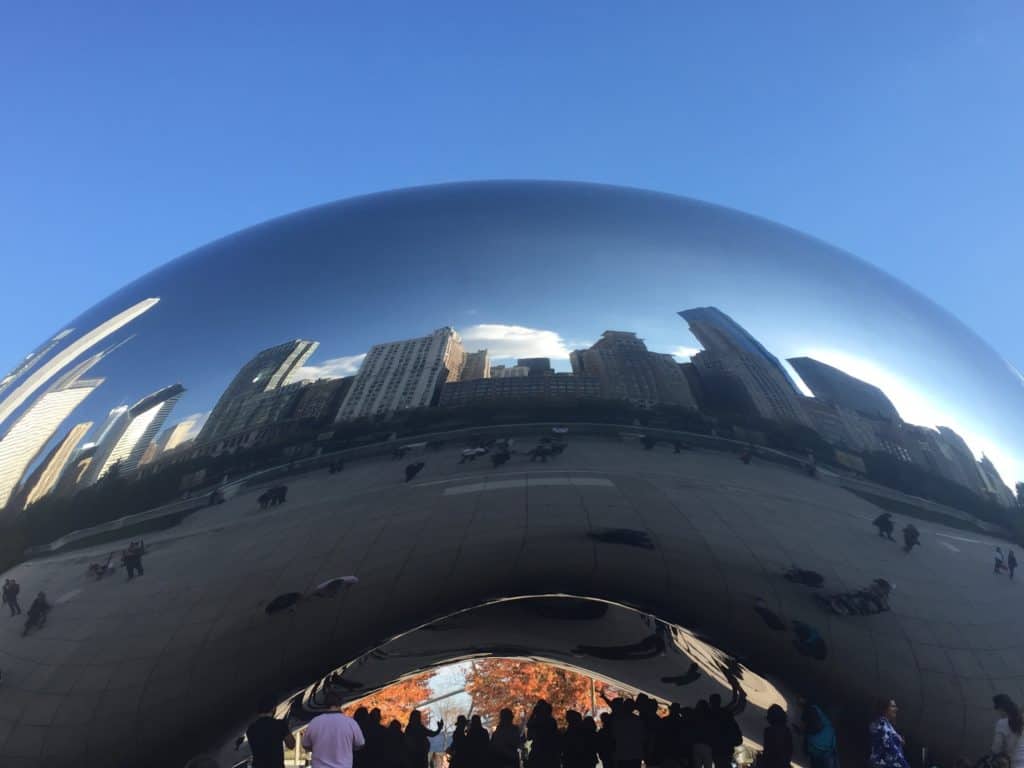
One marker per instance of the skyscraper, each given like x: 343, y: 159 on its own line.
x: 627, y: 370
x: 268, y: 371
x: 997, y: 489
x: 32, y: 360
x: 30, y: 433
x: 144, y: 420
x: 50, y: 368
x: 508, y: 371
x: 729, y: 350
x: 56, y: 463
x: 537, y: 366
x: 970, y: 472
x: 404, y: 374
x: 835, y: 386
x: 477, y: 366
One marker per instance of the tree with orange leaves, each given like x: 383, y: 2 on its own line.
x: 518, y: 683
x: 396, y: 700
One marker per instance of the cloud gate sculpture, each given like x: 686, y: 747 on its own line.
x: 674, y: 445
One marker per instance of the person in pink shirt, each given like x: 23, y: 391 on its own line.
x: 332, y: 737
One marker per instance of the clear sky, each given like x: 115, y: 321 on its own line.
x: 131, y: 133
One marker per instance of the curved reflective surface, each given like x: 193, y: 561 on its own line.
x: 463, y: 394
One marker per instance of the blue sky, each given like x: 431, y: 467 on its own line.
x: 131, y: 135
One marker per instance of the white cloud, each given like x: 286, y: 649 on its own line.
x: 333, y: 368
x: 511, y: 341
x: 683, y: 354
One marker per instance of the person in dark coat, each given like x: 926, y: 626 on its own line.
x: 542, y: 732
x: 477, y: 744
x: 778, y: 740
x: 725, y: 733
x: 506, y: 741
x: 417, y: 740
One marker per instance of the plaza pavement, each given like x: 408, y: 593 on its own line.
x: 147, y: 672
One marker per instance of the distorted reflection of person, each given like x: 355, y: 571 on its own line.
x: 1007, y: 738
x: 1011, y: 563
x: 886, y: 743
x: 911, y: 537
x: 885, y: 525
x: 37, y: 613
x: 1000, y: 561
x: 131, y: 558
x: 10, y: 594
x: 747, y: 454
x: 411, y: 470
x: 864, y: 602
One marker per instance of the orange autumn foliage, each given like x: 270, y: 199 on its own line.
x: 396, y: 700
x: 518, y: 683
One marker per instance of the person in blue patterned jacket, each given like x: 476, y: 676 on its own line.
x: 886, y: 743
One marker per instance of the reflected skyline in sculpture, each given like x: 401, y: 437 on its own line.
x: 412, y: 364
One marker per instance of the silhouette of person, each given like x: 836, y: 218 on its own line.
x: 1011, y: 562
x: 505, y: 741
x: 268, y: 736
x: 726, y: 733
x: 542, y: 731
x: 477, y: 744
x: 392, y: 754
x: 417, y: 739
x: 574, y: 743
x: 703, y: 736
x: 373, y: 734
x: 457, y: 750
x: 605, y: 741
x: 778, y: 741
x: 629, y: 734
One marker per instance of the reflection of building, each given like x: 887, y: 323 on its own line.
x: 628, y: 371
x: 558, y: 386
x: 320, y: 400
x: 537, y: 366
x: 731, y: 352
x: 34, y: 428
x: 835, y: 386
x: 49, y: 473
x: 253, y: 397
x: 174, y: 436
x: 508, y: 371
x: 404, y: 374
x: 110, y: 433
x: 970, y: 473
x: 63, y: 357
x: 477, y: 366
x: 32, y: 360
x: 840, y: 426
x: 995, y: 486
x: 144, y: 420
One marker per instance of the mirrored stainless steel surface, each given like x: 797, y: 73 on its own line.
x: 465, y: 394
